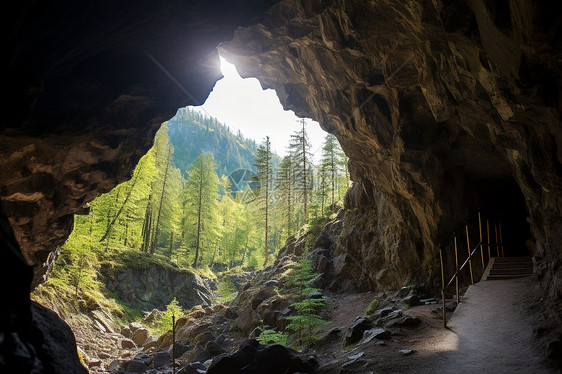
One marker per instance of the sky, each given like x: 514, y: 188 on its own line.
x: 243, y: 105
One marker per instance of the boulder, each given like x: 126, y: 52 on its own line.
x: 404, y: 321
x: 126, y: 332
x: 187, y: 333
x: 355, y: 331
x: 375, y: 333
x: 140, y: 336
x: 114, y: 365
x: 149, y: 343
x: 412, y: 300
x: 134, y: 326
x: 144, y: 358
x: 331, y: 336
x: 196, y: 354
x: 127, y: 343
x: 231, y: 313
x: 322, y: 242
x: 136, y: 366
x: 178, y: 349
x: 153, y: 316
x: 193, y: 368
x: 253, y: 357
x: 161, y: 359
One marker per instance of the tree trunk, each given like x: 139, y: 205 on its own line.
x: 126, y: 239
x: 157, y: 229
x: 245, y: 250
x: 147, y: 225
x: 197, y: 243
x: 266, y: 250
x: 304, y: 174
x: 110, y: 225
x: 170, y: 250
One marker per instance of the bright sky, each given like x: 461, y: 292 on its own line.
x: 243, y: 105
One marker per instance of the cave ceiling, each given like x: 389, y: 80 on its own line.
x: 417, y: 92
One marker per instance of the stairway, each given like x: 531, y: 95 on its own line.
x: 508, y: 268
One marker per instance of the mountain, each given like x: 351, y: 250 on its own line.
x: 191, y: 132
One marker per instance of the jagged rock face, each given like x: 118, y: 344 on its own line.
x: 437, y: 104
x: 89, y: 86
x: 430, y: 100
x: 155, y: 286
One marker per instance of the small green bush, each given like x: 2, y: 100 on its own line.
x: 226, y: 290
x: 373, y: 306
x: 268, y: 336
x: 172, y: 309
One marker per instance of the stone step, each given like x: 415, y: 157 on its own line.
x: 512, y: 270
x: 512, y: 276
x: 509, y: 268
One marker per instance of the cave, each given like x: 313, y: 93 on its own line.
x: 443, y: 108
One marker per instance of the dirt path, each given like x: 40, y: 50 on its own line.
x: 490, y: 332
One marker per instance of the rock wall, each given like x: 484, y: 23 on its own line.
x: 89, y: 86
x: 155, y: 286
x: 430, y: 100
x: 433, y: 102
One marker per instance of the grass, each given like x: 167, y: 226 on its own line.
x: 372, y: 307
x: 226, y: 290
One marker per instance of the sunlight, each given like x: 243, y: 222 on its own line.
x: 243, y: 105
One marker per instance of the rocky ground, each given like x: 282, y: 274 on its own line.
x: 207, y: 335
x: 399, y: 331
x: 404, y: 334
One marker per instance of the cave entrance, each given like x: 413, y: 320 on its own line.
x: 503, y: 202
x: 134, y: 256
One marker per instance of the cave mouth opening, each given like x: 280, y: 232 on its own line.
x: 502, y: 201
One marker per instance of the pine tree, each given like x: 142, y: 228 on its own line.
x: 285, y: 190
x: 264, y: 175
x: 299, y: 148
x: 342, y: 182
x: 159, y: 214
x: 202, y: 191
x: 329, y: 163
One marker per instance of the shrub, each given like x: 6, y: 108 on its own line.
x: 373, y: 306
x: 172, y: 309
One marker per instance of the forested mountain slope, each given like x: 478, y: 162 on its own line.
x: 191, y: 132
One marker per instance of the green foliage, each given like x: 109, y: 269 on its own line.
x: 226, y: 290
x: 264, y: 176
x: 301, y: 275
x: 190, y: 132
x: 372, y: 307
x: 179, y: 210
x: 299, y: 149
x: 306, y: 321
x: 173, y: 310
x: 201, y: 207
x: 269, y: 336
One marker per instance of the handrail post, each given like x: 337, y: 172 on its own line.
x: 488, y: 244
x: 469, y: 256
x: 497, y: 245
x: 173, y: 343
x: 481, y: 246
x: 457, y: 266
x: 501, y: 238
x: 443, y: 287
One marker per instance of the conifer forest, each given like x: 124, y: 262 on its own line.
x: 208, y: 200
